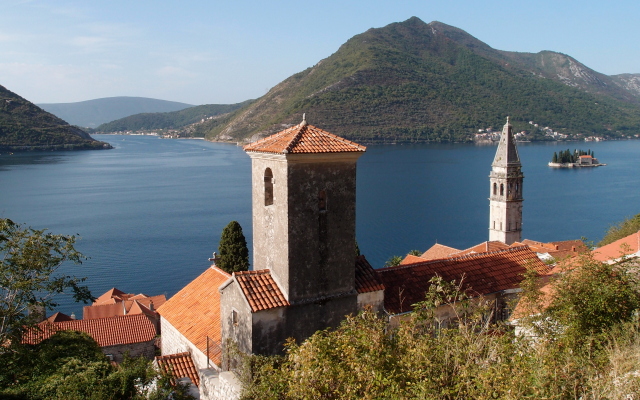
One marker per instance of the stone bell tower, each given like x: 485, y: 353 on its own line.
x: 304, y: 211
x: 505, y: 201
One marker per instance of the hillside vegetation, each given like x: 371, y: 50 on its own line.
x: 25, y: 126
x: 169, y: 120
x: 91, y: 113
x: 413, y: 81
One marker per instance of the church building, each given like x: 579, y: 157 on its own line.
x: 505, y: 201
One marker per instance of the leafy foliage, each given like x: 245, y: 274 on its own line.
x: 234, y: 254
x: 29, y: 262
x: 421, y: 356
x: 71, y: 365
x: 622, y: 229
x: 24, y: 126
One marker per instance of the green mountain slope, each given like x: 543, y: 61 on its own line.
x: 92, y: 113
x: 413, y: 81
x: 170, y: 120
x: 25, y: 126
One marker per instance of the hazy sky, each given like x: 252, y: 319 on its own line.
x: 210, y: 51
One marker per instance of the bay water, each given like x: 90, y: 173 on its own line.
x: 149, y: 213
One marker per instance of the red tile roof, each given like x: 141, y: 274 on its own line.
x: 625, y: 246
x: 410, y: 259
x: 484, y: 273
x: 260, y: 290
x: 59, y: 317
x: 304, y: 138
x: 126, y: 329
x: 366, y: 277
x: 195, y: 310
x: 116, y: 302
x: 482, y: 248
x: 179, y: 366
x: 438, y: 251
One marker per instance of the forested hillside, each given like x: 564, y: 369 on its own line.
x: 25, y: 126
x: 413, y: 81
x: 169, y: 120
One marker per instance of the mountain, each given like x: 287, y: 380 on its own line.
x: 25, y: 126
x: 91, y: 113
x: 412, y: 81
x: 170, y: 120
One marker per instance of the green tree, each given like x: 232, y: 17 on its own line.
x: 621, y: 229
x: 234, y: 254
x: 29, y: 279
x: 394, y: 261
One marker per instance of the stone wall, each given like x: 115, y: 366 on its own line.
x: 174, y: 342
x: 143, y: 349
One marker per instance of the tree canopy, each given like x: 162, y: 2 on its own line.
x: 234, y: 254
x: 622, y: 229
x: 29, y: 278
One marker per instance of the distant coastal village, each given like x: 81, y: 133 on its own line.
x: 540, y: 133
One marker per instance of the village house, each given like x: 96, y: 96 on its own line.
x: 134, y: 334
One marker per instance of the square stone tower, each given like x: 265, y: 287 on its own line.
x: 505, y: 201
x: 304, y: 200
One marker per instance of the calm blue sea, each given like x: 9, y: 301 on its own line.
x: 150, y: 212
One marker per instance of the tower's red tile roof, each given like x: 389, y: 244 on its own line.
x: 195, y: 310
x: 622, y: 247
x: 304, y: 138
x: 484, y: 273
x: 366, y: 277
x: 260, y: 290
x: 438, y: 251
x: 179, y: 366
x: 125, y: 329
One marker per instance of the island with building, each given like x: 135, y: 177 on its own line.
x: 577, y: 159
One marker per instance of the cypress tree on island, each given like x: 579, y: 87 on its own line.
x: 234, y: 254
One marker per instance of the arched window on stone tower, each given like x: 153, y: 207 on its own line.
x: 495, y: 188
x: 502, y: 189
x: 322, y: 200
x: 268, y: 187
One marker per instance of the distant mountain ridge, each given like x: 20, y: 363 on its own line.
x: 169, y: 120
x: 25, y: 126
x: 412, y: 81
x: 91, y: 113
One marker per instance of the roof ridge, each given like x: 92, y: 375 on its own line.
x: 303, y: 128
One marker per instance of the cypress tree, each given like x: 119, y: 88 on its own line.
x: 555, y: 157
x: 234, y: 254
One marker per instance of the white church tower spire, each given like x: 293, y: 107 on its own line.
x: 505, y: 201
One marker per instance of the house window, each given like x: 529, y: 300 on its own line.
x: 268, y: 187
x: 234, y: 317
x: 322, y: 200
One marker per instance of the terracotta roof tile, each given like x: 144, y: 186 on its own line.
x: 625, y: 246
x: 260, y: 290
x: 195, y: 310
x: 304, y: 138
x: 59, y: 317
x: 438, y: 251
x: 410, y: 259
x: 126, y: 329
x: 481, y: 248
x: 366, y: 277
x: 485, y: 273
x: 102, y: 310
x: 179, y: 366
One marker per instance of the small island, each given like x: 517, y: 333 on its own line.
x: 577, y: 159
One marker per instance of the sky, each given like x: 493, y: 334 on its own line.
x: 222, y: 52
